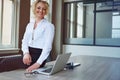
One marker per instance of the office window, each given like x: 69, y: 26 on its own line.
x: 107, y: 24
x: 78, y: 23
x: 115, y: 25
x: 9, y: 24
x: 92, y: 23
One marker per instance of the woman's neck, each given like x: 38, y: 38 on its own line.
x: 37, y: 20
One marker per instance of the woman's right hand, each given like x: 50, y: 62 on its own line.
x: 27, y: 59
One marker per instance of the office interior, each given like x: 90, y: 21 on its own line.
x: 82, y: 27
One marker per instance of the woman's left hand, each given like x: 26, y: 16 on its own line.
x: 32, y: 67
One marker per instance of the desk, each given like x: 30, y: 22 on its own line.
x: 91, y: 68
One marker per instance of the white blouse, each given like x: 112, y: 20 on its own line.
x: 40, y: 37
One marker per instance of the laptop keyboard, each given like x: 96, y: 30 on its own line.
x: 47, y: 70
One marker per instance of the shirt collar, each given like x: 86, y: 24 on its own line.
x: 33, y: 20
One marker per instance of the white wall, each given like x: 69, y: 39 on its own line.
x: 92, y: 50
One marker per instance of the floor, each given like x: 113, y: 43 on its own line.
x: 91, y: 68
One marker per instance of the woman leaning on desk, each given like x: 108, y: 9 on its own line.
x: 38, y: 38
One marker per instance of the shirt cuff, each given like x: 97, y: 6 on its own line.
x: 25, y: 52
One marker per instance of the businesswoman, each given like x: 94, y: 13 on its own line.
x: 38, y: 37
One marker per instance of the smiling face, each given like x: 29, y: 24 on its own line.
x: 40, y: 10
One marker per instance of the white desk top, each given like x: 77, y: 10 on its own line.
x: 91, y: 68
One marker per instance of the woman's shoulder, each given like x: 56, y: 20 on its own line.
x: 30, y: 24
x: 32, y: 21
x: 48, y: 23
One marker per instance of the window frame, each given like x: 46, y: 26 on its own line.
x: 85, y: 41
x: 13, y: 48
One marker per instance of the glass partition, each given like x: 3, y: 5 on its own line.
x: 107, y: 24
x: 78, y: 23
x: 92, y: 23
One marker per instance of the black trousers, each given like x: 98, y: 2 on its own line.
x: 35, y: 54
x: 12, y: 63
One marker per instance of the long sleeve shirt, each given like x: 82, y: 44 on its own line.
x: 40, y: 37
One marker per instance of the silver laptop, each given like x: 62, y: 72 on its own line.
x: 58, y: 65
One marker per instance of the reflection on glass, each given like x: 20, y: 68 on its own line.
x: 74, y: 20
x: 115, y: 25
x: 107, y: 25
x: 78, y: 23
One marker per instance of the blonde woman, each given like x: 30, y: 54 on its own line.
x: 38, y: 38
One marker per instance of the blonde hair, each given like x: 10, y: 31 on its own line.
x: 40, y: 1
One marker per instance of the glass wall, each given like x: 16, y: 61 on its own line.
x: 107, y: 24
x: 94, y: 23
x: 78, y: 23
